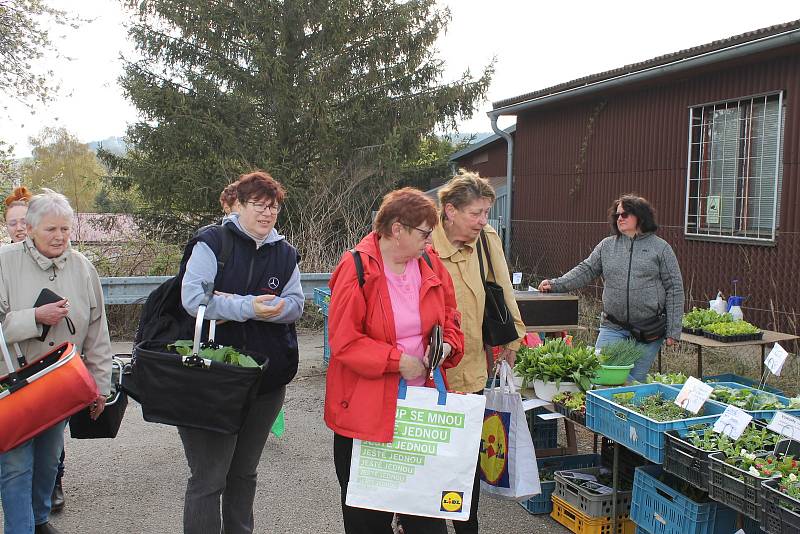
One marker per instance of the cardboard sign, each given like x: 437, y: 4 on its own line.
x: 785, y: 425
x: 693, y: 395
x: 732, y: 422
x: 775, y: 359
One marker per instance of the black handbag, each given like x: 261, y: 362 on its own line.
x: 81, y: 426
x: 498, y: 323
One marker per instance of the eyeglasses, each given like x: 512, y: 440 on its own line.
x: 261, y: 207
x: 621, y: 215
x: 425, y: 233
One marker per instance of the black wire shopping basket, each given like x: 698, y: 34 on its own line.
x: 192, y: 391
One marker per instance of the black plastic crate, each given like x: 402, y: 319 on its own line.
x: 735, y: 487
x: 780, y: 513
x: 686, y: 461
x: 575, y: 415
x: 693, y: 331
x: 628, y: 460
x: 544, y: 432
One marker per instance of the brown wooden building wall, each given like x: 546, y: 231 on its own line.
x: 495, y: 164
x: 572, y: 160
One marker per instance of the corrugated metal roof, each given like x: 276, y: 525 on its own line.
x: 480, y: 144
x: 654, y: 62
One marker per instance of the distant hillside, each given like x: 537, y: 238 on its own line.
x: 115, y: 145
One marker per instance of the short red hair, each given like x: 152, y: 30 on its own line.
x: 259, y: 185
x: 407, y: 206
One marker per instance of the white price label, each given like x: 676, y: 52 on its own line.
x: 732, y: 422
x: 785, y: 425
x: 516, y: 278
x: 693, y: 395
x: 775, y: 359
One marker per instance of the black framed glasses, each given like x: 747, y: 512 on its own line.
x: 261, y: 207
x: 425, y: 233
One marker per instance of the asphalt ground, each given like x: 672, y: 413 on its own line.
x: 135, y: 482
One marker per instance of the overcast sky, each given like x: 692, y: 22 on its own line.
x: 537, y: 44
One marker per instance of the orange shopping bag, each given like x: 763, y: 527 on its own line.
x: 41, y: 393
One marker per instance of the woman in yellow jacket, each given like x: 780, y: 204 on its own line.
x: 465, y: 202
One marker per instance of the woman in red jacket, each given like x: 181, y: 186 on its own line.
x: 379, y: 332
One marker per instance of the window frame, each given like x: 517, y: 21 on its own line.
x: 770, y: 239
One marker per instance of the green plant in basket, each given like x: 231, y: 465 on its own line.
x: 227, y: 355
x: 790, y: 485
x: 666, y: 378
x: 700, y: 317
x: 654, y: 406
x: 753, y: 439
x: 555, y: 361
x: 747, y: 399
x: 571, y: 400
x: 621, y: 353
x: 764, y: 466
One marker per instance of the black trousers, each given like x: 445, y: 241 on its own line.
x: 363, y: 521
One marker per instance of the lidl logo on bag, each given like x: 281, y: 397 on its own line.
x: 452, y: 501
x: 494, y: 448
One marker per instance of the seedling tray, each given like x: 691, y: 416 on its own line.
x: 735, y: 487
x: 659, y: 508
x: 693, y: 331
x: 780, y: 513
x: 542, y: 503
x: 591, y: 504
x: 733, y: 339
x: 636, y: 431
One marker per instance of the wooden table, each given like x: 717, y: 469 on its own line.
x: 769, y: 338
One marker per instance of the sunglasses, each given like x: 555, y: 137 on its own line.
x: 621, y: 215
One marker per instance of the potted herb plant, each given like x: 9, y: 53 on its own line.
x: 555, y: 367
x: 616, y: 362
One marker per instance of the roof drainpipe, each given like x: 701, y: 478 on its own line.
x: 509, y: 179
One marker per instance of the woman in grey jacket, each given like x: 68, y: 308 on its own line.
x: 642, y: 281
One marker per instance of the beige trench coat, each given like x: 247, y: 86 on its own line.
x: 24, y: 272
x: 471, y: 373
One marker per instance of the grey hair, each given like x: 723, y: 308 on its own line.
x: 48, y: 202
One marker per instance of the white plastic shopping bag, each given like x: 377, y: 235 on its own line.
x: 429, y: 467
x: 507, y: 459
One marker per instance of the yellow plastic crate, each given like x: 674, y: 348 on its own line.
x: 580, y: 523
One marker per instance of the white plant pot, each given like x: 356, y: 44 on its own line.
x: 517, y: 380
x: 547, y: 390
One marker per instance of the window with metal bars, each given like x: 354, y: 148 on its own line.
x: 734, y: 169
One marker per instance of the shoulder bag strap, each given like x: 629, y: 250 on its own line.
x: 488, y: 255
x: 480, y: 261
x: 359, y: 266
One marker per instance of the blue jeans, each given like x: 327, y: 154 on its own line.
x: 27, y: 475
x: 608, y: 335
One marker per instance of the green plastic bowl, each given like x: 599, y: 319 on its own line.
x: 612, y: 375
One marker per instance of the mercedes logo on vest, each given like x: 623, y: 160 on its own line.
x: 273, y: 283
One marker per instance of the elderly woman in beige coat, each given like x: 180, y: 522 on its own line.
x: 46, y: 260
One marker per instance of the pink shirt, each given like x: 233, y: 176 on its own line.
x: 404, y: 295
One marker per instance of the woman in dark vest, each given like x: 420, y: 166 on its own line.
x: 259, y: 298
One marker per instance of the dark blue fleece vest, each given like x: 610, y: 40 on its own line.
x: 262, y: 271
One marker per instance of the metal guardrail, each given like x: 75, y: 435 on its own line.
x: 135, y: 289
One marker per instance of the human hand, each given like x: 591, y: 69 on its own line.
x: 508, y: 355
x: 50, y: 314
x: 545, y: 286
x: 411, y: 367
x: 263, y: 310
x: 670, y: 341
x: 97, y: 407
x: 446, y: 350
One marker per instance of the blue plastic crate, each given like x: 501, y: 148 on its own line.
x: 640, y: 530
x: 639, y: 433
x: 761, y: 415
x: 322, y: 297
x: 730, y: 377
x: 660, y: 509
x: 543, y: 503
x: 326, y: 345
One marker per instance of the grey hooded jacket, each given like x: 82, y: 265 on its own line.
x: 641, y: 280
